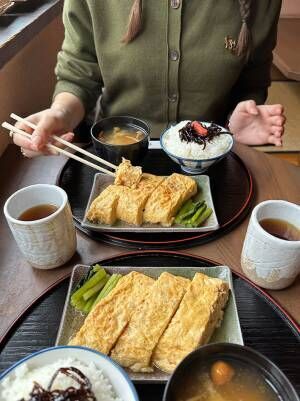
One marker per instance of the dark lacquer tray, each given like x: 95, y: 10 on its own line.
x: 231, y: 187
x: 265, y: 326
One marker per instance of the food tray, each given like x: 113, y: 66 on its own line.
x: 261, y: 319
x: 101, y: 181
x: 229, y: 331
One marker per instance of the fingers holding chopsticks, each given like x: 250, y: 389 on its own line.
x: 42, y: 126
x: 62, y: 140
x: 22, y: 141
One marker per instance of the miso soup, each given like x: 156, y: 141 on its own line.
x: 224, y: 381
x: 121, y: 136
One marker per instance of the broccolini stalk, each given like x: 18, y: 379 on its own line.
x: 95, y: 279
x: 109, y: 286
x: 204, y: 216
x: 96, y: 289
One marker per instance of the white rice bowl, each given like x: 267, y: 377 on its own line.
x: 191, y: 150
x: 18, y: 386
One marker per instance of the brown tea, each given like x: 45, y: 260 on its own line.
x: 38, y: 212
x: 281, y: 229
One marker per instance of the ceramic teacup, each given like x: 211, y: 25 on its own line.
x: 50, y: 241
x: 269, y: 261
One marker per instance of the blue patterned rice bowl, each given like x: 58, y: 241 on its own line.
x: 191, y: 156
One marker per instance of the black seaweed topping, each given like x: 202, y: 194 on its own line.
x: 189, y: 134
x: 83, y: 393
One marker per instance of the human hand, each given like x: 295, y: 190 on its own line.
x: 257, y: 125
x: 49, y: 122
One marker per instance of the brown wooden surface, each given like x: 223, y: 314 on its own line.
x: 277, y: 75
x: 288, y: 94
x: 291, y: 157
x: 20, y: 284
x: 16, y: 32
x: 287, y: 51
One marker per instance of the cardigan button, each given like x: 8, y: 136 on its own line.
x: 173, y: 98
x: 175, y: 4
x: 174, y: 55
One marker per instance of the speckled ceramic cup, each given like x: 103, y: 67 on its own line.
x: 269, y: 261
x: 51, y: 241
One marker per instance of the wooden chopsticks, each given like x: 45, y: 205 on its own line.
x: 14, y: 129
x: 70, y: 145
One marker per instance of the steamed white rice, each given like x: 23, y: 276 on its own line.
x: 18, y: 387
x: 192, y: 150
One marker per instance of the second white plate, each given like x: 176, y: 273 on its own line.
x: 229, y: 331
x: 101, y: 181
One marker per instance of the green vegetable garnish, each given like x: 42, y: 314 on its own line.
x: 193, y: 214
x: 204, y: 216
x: 110, y: 285
x: 185, y: 208
x: 188, y: 212
x: 91, y: 282
x: 89, y: 304
x: 96, y: 289
x: 92, y: 288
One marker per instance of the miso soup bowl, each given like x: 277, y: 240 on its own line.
x: 235, y: 353
x: 134, y: 152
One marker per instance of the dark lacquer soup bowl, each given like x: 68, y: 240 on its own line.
x: 135, y: 152
x: 206, y: 365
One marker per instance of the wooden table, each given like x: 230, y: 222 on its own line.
x: 287, y: 51
x: 288, y: 94
x: 20, y: 284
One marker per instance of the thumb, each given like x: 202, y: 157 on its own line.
x: 251, y: 108
x: 40, y: 136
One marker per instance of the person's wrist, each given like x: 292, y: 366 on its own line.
x: 64, y: 113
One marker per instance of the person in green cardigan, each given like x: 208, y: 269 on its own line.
x: 176, y: 60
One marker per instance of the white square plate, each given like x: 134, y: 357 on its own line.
x: 101, y: 181
x: 229, y: 331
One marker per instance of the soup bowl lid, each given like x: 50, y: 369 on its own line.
x: 226, y: 351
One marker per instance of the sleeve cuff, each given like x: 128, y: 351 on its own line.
x: 87, y: 100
